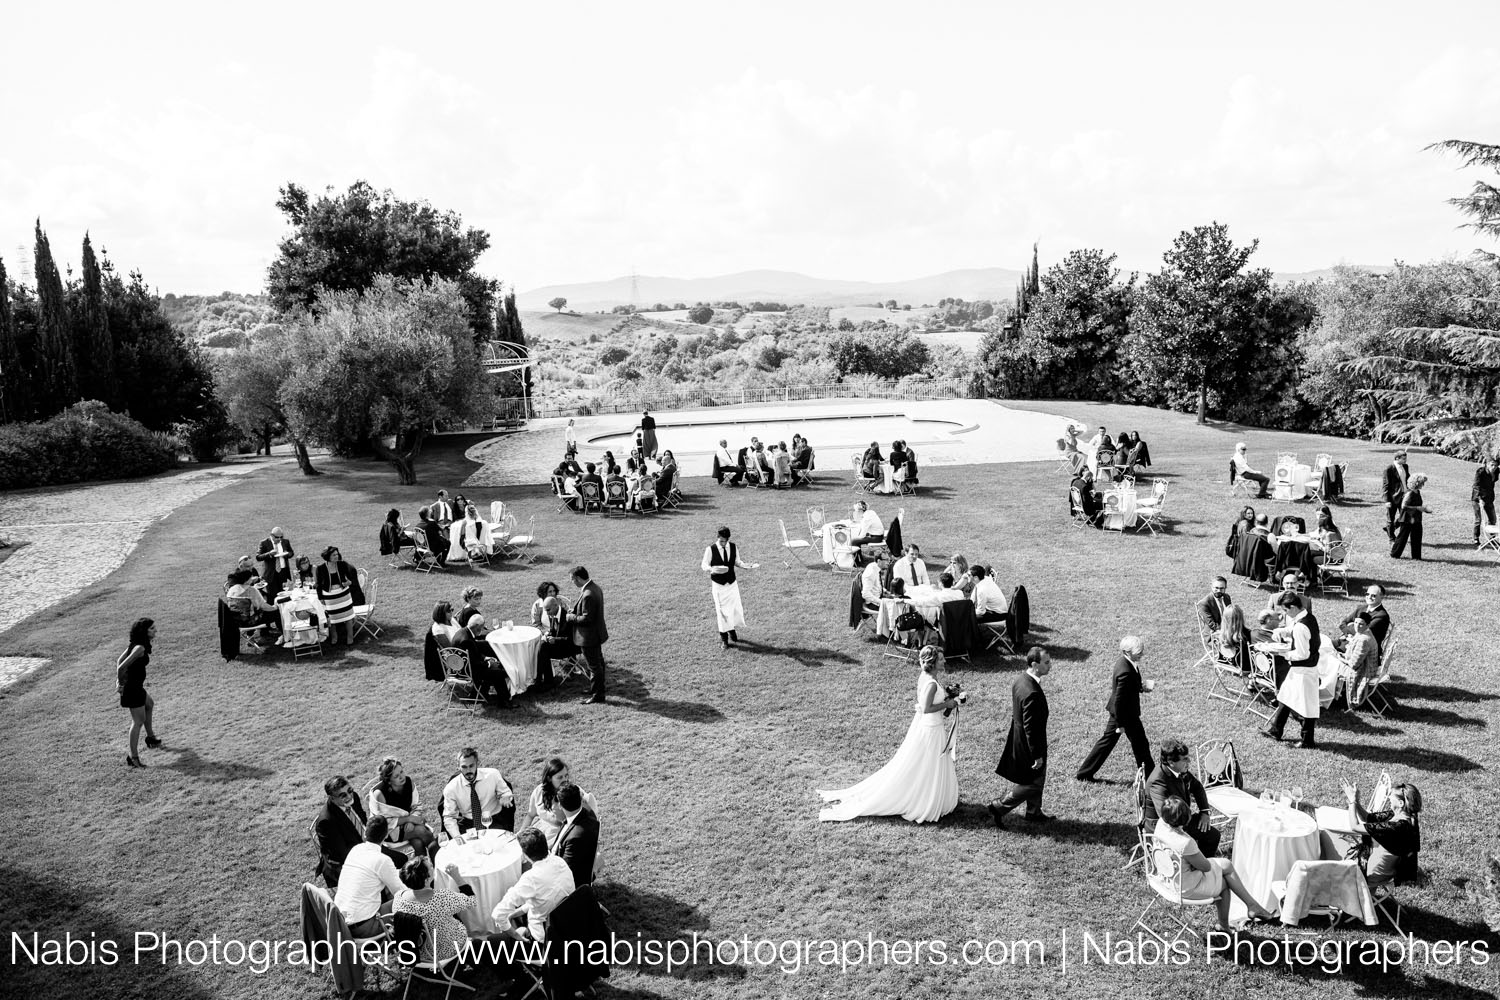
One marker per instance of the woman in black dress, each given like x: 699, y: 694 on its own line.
x: 130, y: 682
x: 648, y: 432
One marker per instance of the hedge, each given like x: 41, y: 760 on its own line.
x: 84, y: 442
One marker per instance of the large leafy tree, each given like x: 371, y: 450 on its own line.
x: 1195, y: 324
x: 887, y: 352
x: 1441, y: 380
x: 1076, y: 324
x: 388, y: 362
x: 343, y: 242
x: 250, y: 380
x: 163, y: 379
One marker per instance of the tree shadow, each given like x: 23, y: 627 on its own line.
x: 806, y: 656
x: 1418, y: 758
x: 641, y: 915
x: 627, y: 689
x: 1068, y: 654
x: 188, y: 761
x: 1440, y: 692
x: 1353, y: 722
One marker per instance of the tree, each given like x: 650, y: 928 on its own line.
x: 1195, y: 321
x: 250, y: 381
x: 342, y: 242
x: 701, y: 314
x: 93, y: 347
x: 389, y: 362
x: 163, y: 379
x: 889, y: 353
x: 557, y: 303
x: 15, y: 400
x: 54, y: 369
x: 1482, y: 203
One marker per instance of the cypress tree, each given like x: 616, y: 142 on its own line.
x: 94, y: 347
x: 54, y: 348
x: 12, y: 379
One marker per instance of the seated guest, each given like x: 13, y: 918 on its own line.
x: 1267, y: 621
x: 590, y: 476
x: 1372, y: 614
x: 783, y: 465
x: 990, y: 604
x: 1089, y: 498
x: 542, y: 809
x: 461, y: 506
x: 1174, y: 777
x: 442, y: 623
x: 246, y: 564
x: 726, y: 468
x: 1241, y: 465
x: 578, y: 841
x: 557, y: 640
x: 802, y: 459
x: 1211, y: 608
x: 392, y: 534
x: 872, y: 581
x: 1292, y: 582
x: 870, y: 462
x: 614, y: 479
x: 394, y: 796
x: 1140, y: 452
x: 1233, y: 637
x: 1361, y: 662
x: 339, y: 828
x: 543, y: 591
x: 245, y: 601
x: 523, y: 911
x: 946, y: 589
x: 749, y: 465
x: 484, y: 669
x: 305, y: 576
x: 275, y: 555
x: 611, y: 467
x: 958, y: 568
x: 910, y: 567
x: 866, y: 529
x: 668, y: 463
x: 897, y: 459
x: 1241, y: 525
x: 472, y: 532
x: 1203, y: 878
x: 473, y: 786
x: 445, y: 937
x: 442, y: 511
x: 1392, y: 837
x: 571, y: 467
x: 367, y: 870
x: 1262, y: 526
x: 665, y: 481
x: 432, y: 534
x: 765, y: 468
x: 645, y: 490
x: 1329, y: 537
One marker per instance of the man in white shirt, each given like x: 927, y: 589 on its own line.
x: 442, y: 511
x: 1297, y: 673
x: 946, y: 590
x: 476, y: 789
x: 539, y: 891
x: 867, y: 528
x: 910, y: 568
x: 871, y: 582
x: 728, y: 467
x: 366, y: 871
x: 990, y: 604
x: 1243, y: 470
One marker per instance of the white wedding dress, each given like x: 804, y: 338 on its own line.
x: 919, y: 784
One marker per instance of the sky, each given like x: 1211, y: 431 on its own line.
x: 866, y: 141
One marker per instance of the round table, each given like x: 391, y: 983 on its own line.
x: 1121, y: 516
x: 1268, y: 840
x: 922, y: 598
x: 516, y: 649
x: 301, y: 605
x: 490, y: 864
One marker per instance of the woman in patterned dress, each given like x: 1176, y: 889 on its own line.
x: 438, y: 908
x: 338, y: 589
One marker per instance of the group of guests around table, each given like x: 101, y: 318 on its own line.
x: 764, y: 466
x: 1360, y: 638
x: 435, y: 529
x: 1175, y: 811
x: 250, y: 594
x: 569, y: 630
x: 888, y: 577
x: 645, y: 481
x: 1102, y: 455
x: 377, y: 856
x: 902, y: 462
x: 1255, y: 557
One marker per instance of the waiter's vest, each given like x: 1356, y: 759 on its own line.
x: 1314, y: 640
x: 716, y: 558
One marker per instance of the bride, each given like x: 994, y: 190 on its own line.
x: 920, y: 782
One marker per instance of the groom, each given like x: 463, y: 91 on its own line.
x: 1024, y: 760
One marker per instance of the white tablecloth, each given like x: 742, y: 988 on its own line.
x: 516, y: 649
x: 1268, y: 840
x: 298, y: 603
x: 922, y: 598
x: 1122, y: 516
x: 490, y: 865
x: 456, y: 552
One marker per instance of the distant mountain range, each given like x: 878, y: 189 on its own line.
x: 777, y: 286
x: 801, y: 289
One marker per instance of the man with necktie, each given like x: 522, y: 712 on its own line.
x: 910, y: 568
x: 1394, y: 487
x: 719, y: 561
x: 577, y: 842
x: 1211, y: 608
x: 1024, y: 760
x: 589, y: 632
x: 477, y: 798
x: 1124, y: 711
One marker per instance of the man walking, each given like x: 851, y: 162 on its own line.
x: 719, y: 561
x: 1483, y: 495
x: 1409, y: 529
x: 1297, y: 674
x: 1124, y: 711
x: 1024, y: 759
x: 1394, y: 486
x: 589, y: 633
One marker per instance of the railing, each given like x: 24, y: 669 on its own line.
x: 512, y: 410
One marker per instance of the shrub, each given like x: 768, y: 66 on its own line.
x: 84, y: 442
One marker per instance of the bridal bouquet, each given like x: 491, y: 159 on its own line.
x: 955, y: 690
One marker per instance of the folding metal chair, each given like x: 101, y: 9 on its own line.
x: 616, y: 497
x: 458, y: 681
x: 1335, y: 567
x: 998, y: 633
x: 589, y: 495
x: 1138, y: 793
x: 1163, y: 867
x: 1386, y: 904
x: 560, y: 490
x: 815, y: 521
x: 1261, y: 686
x: 1489, y: 537
x: 521, y: 545
x: 1375, y: 695
x: 1075, y: 502
x: 364, y: 614
x: 1239, y: 484
x: 1335, y: 915
x: 842, y: 544
x: 862, y: 483
x: 792, y: 545
x: 899, y: 644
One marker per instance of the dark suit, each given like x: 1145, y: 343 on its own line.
x: 276, y: 579
x: 557, y: 644
x: 1393, y: 486
x: 1162, y: 785
x: 1409, y: 528
x: 1379, y: 621
x: 578, y: 845
x: 1025, y: 746
x: 1483, y: 496
x: 437, y: 540
x: 337, y: 836
x: 590, y: 633
x: 1211, y: 608
x: 1124, y: 708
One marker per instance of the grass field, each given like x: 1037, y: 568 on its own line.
x: 705, y: 764
x: 575, y: 328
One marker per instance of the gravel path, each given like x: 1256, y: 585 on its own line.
x: 46, y: 569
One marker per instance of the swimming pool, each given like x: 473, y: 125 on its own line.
x: 824, y: 432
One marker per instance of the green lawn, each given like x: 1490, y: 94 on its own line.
x: 705, y: 764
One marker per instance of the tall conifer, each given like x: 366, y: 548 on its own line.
x: 93, y: 346
x: 58, y: 384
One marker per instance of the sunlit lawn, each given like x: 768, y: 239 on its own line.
x: 705, y: 763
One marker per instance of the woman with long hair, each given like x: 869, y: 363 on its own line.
x: 130, y: 683
x: 1232, y: 637
x: 394, y: 795
x: 1392, y: 836
x: 920, y: 782
x: 542, y: 810
x: 958, y: 568
x: 339, y: 590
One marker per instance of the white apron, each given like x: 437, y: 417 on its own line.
x: 727, y: 607
x: 1299, y: 692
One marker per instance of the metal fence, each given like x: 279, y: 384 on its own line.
x: 514, y: 410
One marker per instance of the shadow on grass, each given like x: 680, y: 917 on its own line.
x: 643, y: 915
x: 1439, y: 692
x: 188, y: 761
x: 1419, y: 758
x: 626, y: 688
x: 50, y: 909
x: 1353, y: 722
x: 804, y: 655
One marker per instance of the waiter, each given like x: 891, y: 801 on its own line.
x: 719, y: 562
x: 1297, y: 673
